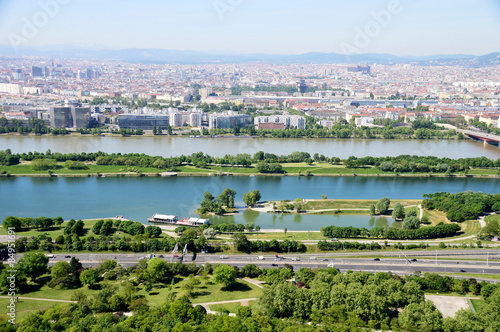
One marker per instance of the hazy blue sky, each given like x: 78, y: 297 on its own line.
x: 416, y: 27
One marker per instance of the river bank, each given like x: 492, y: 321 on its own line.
x: 173, y: 174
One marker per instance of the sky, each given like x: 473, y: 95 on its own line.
x: 400, y: 27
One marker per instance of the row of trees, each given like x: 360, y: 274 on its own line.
x: 210, y: 204
x: 41, y: 223
x: 441, y: 230
x: 266, y: 162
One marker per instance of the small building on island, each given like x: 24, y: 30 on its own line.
x: 174, y: 220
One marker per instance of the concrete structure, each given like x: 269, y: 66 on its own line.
x: 228, y: 120
x: 36, y: 71
x: 359, y: 69
x: 301, y: 86
x: 143, y: 121
x: 289, y: 121
x: 176, y: 119
x: 271, y: 125
x: 14, y: 89
x: 69, y: 117
x: 195, y: 119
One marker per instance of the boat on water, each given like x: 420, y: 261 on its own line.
x: 174, y: 220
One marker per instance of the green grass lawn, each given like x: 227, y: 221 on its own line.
x: 45, y: 292
x: 478, y: 304
x: 346, y: 204
x: 493, y: 217
x: 288, y: 236
x: 26, y: 307
x: 207, y: 291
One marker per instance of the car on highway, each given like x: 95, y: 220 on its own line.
x: 376, y: 259
x: 278, y: 259
x: 312, y: 258
x: 413, y: 260
x: 67, y: 256
x: 224, y: 257
x: 325, y: 259
x: 161, y: 256
x: 274, y: 264
x: 462, y: 270
x: 295, y: 259
x: 334, y: 239
x: 176, y: 255
x: 260, y: 258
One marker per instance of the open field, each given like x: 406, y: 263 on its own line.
x: 207, y: 291
x: 26, y: 307
x: 324, y: 204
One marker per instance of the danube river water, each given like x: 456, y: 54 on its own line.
x: 139, y: 198
x: 175, y: 146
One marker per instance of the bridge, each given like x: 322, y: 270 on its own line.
x: 475, y: 134
x: 480, y: 136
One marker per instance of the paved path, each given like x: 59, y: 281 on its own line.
x: 207, y: 305
x: 38, y: 299
x: 257, y: 283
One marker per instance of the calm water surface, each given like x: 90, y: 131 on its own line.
x: 139, y: 198
x: 175, y: 146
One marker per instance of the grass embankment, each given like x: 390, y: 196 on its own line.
x: 475, y: 275
x: 289, y: 168
x: 478, y: 304
x: 493, y: 217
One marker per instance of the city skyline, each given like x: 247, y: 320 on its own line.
x: 399, y: 27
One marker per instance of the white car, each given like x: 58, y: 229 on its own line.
x: 295, y: 259
x: 312, y: 258
x: 223, y: 257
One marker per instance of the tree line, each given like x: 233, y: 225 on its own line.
x: 462, y: 206
x: 431, y: 232
x: 266, y: 162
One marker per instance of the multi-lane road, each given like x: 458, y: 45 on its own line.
x: 456, y: 262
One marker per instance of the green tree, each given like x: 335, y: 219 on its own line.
x: 383, y: 205
x: 224, y: 274
x: 241, y: 242
x: 252, y: 197
x: 421, y: 317
x: 157, y: 268
x: 34, y: 264
x: 60, y: 269
x: 90, y: 277
x: 411, y: 223
x: 372, y: 209
x: 13, y: 222
x: 398, y: 212
x: 227, y: 197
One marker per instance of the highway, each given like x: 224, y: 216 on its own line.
x: 456, y: 262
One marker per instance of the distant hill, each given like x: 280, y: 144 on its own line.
x: 156, y: 55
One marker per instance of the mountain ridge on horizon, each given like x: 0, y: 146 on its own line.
x: 167, y: 56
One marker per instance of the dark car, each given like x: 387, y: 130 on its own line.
x: 325, y: 259
x: 67, y: 256
x: 161, y: 256
x: 413, y: 259
x: 376, y: 259
x: 274, y: 264
x: 462, y: 270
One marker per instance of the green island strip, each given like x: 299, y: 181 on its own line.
x: 260, y: 164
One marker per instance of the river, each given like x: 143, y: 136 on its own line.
x: 139, y: 198
x: 174, y: 146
